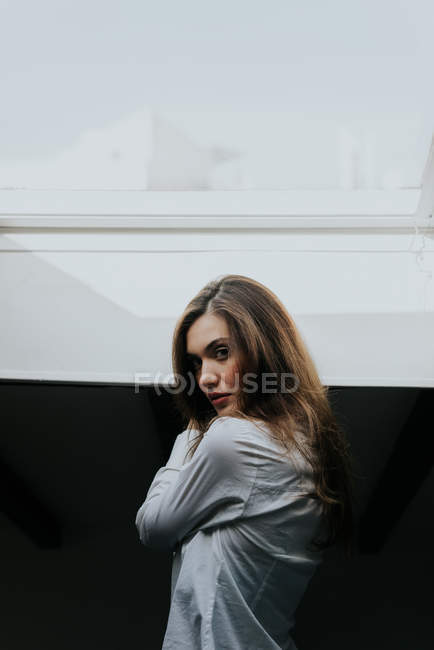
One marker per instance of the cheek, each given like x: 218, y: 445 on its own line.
x: 231, y: 373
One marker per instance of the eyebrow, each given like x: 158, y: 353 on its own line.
x: 209, y: 346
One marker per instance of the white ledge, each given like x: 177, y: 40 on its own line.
x: 211, y: 210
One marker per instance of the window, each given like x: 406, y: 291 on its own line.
x: 219, y: 116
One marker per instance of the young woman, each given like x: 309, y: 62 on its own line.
x: 258, y: 484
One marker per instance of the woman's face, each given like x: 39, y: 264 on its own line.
x: 214, y: 360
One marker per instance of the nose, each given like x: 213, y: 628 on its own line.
x: 208, y: 378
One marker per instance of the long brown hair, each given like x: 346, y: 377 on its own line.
x: 267, y: 341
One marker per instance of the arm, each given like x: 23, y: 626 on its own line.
x: 210, y: 489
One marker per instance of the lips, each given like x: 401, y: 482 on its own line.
x: 215, y: 396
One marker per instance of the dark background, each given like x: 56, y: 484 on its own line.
x: 76, y: 461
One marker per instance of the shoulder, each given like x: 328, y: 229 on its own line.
x: 227, y: 436
x: 227, y: 427
x: 230, y: 439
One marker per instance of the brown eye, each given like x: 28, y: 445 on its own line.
x: 222, y: 351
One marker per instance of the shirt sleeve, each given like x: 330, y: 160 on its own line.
x: 210, y: 489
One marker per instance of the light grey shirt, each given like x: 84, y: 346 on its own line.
x: 238, y: 526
